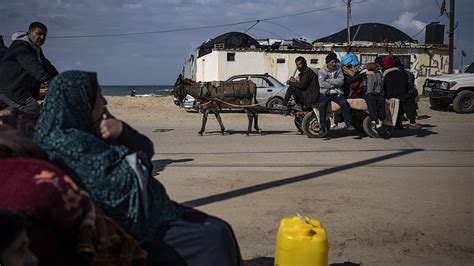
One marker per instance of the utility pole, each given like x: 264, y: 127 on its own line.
x: 451, y: 37
x: 348, y: 24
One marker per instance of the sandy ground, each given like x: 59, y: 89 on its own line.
x: 403, y: 201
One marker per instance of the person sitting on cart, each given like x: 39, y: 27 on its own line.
x: 304, y: 88
x: 331, y: 80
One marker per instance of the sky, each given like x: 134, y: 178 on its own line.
x: 157, y: 59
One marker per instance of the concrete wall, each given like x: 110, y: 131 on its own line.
x: 214, y: 66
x: 425, y: 62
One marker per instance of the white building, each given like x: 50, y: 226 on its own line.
x: 237, y: 53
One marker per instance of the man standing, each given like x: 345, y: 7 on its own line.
x: 24, y: 68
x: 305, y: 90
x: 331, y: 80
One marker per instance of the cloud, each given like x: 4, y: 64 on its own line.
x: 407, y: 22
x: 111, y: 56
x: 132, y: 6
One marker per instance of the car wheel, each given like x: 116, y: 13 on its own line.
x: 439, y: 104
x: 463, y: 102
x: 312, y: 128
x: 274, y: 102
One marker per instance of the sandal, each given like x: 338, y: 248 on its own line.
x: 415, y: 126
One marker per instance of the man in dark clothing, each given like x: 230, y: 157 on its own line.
x: 305, y: 90
x: 396, y: 85
x: 24, y: 68
x: 3, y: 49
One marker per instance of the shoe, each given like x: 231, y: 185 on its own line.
x: 378, y: 124
x: 280, y: 106
x: 349, y: 126
x: 373, y: 124
x: 333, y: 126
x: 415, y: 126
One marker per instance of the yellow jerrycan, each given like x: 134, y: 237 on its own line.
x: 301, y: 242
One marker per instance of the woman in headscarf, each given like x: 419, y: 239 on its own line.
x: 112, y: 162
x: 66, y: 228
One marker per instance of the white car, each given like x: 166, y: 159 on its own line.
x: 270, y: 91
x: 457, y: 89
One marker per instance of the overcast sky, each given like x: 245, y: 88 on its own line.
x: 158, y: 58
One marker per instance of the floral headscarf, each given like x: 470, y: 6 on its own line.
x: 101, y: 169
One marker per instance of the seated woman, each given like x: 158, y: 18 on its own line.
x: 112, y: 162
x: 66, y: 228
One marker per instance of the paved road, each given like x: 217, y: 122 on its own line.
x: 405, y: 200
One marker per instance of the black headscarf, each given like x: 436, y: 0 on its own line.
x: 11, y: 226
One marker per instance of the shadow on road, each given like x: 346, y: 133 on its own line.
x: 268, y: 261
x: 290, y: 180
x: 159, y: 165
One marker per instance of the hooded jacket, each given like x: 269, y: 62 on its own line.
x: 22, y: 70
x: 331, y: 81
x: 395, y: 83
x: 3, y: 48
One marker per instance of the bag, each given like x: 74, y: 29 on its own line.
x: 356, y: 89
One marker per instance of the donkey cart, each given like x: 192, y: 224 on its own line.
x: 308, y: 122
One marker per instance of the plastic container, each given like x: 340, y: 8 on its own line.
x: 350, y: 58
x: 301, y: 242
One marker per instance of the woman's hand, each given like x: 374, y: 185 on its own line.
x: 110, y: 127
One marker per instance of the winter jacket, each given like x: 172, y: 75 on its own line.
x: 374, y: 83
x: 330, y: 81
x: 395, y: 83
x: 22, y: 70
x: 308, y: 83
x: 3, y: 49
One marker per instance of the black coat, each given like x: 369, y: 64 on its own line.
x: 309, y: 84
x: 395, y: 83
x: 3, y: 49
x: 21, y: 72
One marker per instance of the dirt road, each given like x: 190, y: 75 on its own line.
x: 406, y: 200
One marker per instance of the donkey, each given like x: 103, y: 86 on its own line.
x: 213, y: 99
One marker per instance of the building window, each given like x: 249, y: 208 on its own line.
x: 219, y: 46
x: 367, y: 58
x: 280, y: 60
x: 405, y: 60
x: 230, y: 56
x: 314, y: 61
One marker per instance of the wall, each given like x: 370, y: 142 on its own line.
x: 425, y: 62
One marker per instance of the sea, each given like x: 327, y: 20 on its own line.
x: 140, y: 90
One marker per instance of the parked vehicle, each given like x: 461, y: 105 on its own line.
x: 270, y: 91
x: 456, y: 89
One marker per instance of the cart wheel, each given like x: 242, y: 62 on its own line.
x: 298, y: 123
x: 312, y: 128
x: 358, y: 120
x: 374, y: 132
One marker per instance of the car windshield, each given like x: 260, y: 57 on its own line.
x: 470, y: 68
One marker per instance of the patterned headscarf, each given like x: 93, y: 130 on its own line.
x: 64, y: 132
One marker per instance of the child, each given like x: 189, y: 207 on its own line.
x: 374, y: 95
